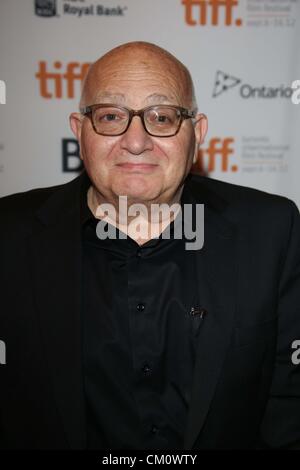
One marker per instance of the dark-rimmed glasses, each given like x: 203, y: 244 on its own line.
x: 159, y: 121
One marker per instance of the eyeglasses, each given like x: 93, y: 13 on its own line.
x: 158, y: 121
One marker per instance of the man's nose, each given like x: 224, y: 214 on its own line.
x: 136, y: 139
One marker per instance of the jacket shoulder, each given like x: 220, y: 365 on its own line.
x: 24, y: 203
x: 237, y: 197
x: 18, y: 211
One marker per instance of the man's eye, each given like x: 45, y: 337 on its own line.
x: 109, y: 117
x: 162, y: 118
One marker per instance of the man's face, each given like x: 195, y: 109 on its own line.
x: 143, y: 167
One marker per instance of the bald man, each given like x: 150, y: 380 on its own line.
x: 119, y: 329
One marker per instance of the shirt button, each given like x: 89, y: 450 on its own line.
x: 154, y: 429
x: 140, y: 307
x: 139, y: 253
x: 146, y: 369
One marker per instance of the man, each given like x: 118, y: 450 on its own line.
x: 133, y: 341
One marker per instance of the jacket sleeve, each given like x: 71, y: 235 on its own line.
x: 281, y: 424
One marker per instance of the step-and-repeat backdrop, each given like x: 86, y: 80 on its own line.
x: 244, y: 56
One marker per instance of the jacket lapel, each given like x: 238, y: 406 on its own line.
x: 56, y: 254
x: 217, y: 271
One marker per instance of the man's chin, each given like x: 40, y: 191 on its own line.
x: 137, y: 197
x: 137, y: 190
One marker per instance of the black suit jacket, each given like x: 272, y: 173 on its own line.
x: 246, y: 390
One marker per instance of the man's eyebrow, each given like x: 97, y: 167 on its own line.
x: 158, y: 98
x: 120, y: 97
x: 110, y: 96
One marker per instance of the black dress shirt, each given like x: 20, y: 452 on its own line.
x: 139, y: 337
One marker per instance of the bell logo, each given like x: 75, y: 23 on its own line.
x: 71, y: 161
x: 75, y: 72
x: 216, y: 157
x: 196, y: 12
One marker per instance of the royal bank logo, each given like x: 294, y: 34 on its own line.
x: 46, y: 8
x: 225, y: 82
x: 78, y: 8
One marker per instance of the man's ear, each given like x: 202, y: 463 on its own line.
x: 201, y: 126
x: 76, y: 124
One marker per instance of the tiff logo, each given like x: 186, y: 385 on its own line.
x: 51, y: 83
x: 2, y: 92
x: 2, y: 352
x: 214, y: 7
x: 216, y: 156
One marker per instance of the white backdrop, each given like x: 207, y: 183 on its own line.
x: 243, y: 73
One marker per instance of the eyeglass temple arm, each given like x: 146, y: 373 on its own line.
x: 85, y: 110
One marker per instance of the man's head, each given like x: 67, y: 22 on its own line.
x: 146, y: 168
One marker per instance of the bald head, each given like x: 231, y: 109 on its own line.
x: 134, y: 60
x: 146, y: 156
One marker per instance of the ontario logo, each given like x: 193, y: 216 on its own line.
x: 211, y: 12
x: 224, y: 82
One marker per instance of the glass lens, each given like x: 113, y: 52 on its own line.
x: 110, y: 120
x: 162, y: 120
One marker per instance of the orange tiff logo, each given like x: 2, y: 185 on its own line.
x: 216, y: 157
x: 202, y: 8
x: 61, y: 83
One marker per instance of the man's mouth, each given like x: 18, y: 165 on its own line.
x: 140, y: 167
